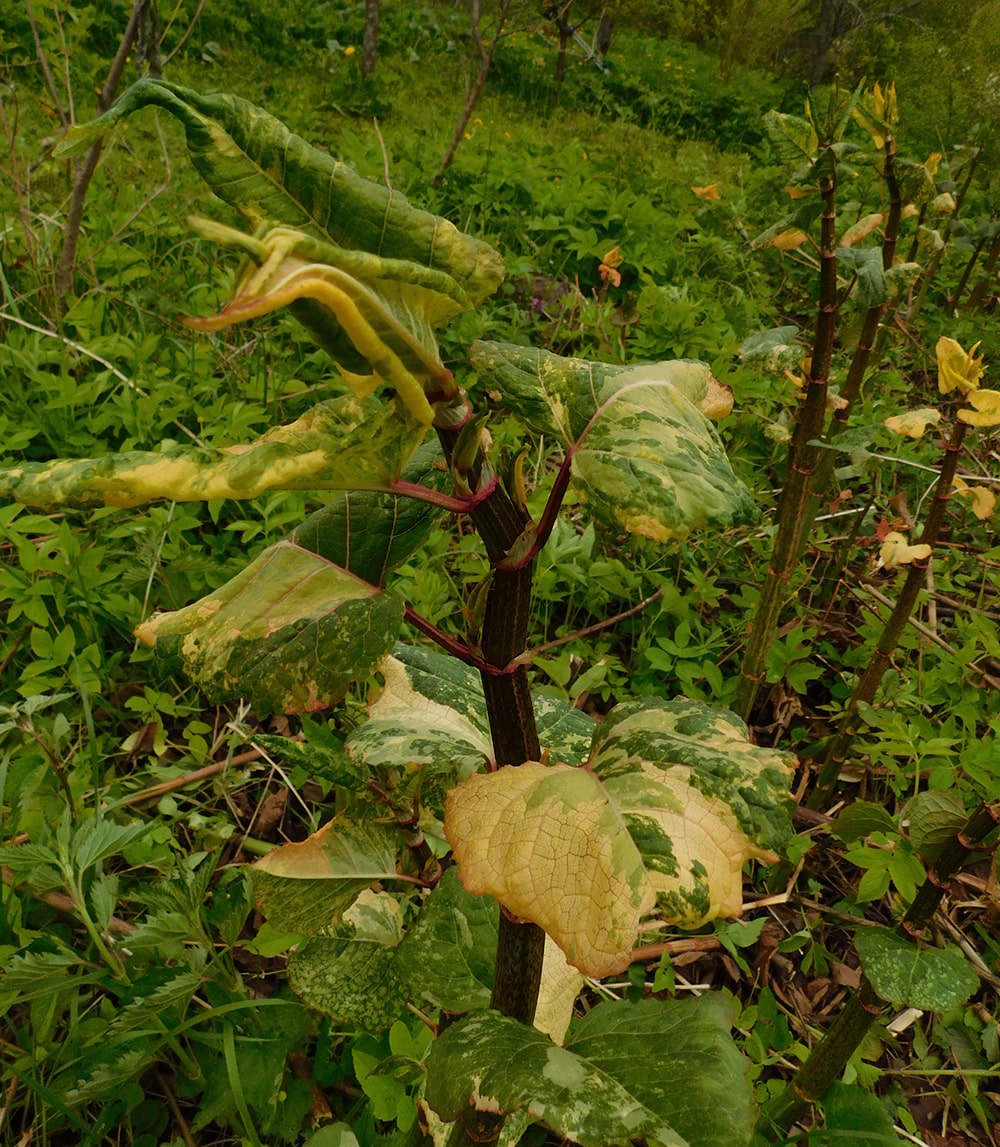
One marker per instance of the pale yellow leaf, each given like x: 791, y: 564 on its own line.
x: 959, y: 369
x: 859, y: 230
x: 789, y: 240
x: 987, y: 408
x: 983, y: 500
x: 914, y: 423
x: 896, y: 551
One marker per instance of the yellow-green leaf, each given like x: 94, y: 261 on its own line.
x: 897, y: 551
x: 914, y: 423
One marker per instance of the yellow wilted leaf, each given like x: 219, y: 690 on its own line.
x: 958, y: 369
x: 909, y: 211
x: 711, y: 191
x: 987, y: 408
x: 914, y: 423
x: 799, y: 192
x: 860, y: 229
x: 897, y: 551
x: 983, y: 501
x: 789, y: 240
x: 932, y: 162
x: 944, y: 203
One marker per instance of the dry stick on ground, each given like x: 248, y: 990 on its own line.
x: 829, y: 1057
x: 485, y: 60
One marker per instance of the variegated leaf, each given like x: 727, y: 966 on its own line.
x: 431, y: 712
x: 348, y: 971
x: 674, y: 800
x: 290, y: 633
x: 305, y: 886
x: 660, y: 1072
x: 349, y: 443
x: 645, y: 457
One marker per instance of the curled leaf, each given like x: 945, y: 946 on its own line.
x: 957, y: 368
x: 789, y: 240
x: 858, y: 231
x: 986, y: 410
x: 982, y: 499
x: 710, y: 191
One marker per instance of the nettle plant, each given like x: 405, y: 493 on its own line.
x: 493, y: 850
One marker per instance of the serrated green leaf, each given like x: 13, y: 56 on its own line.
x: 673, y: 801
x: 304, y: 886
x: 934, y: 979
x: 934, y: 818
x: 349, y: 971
x: 860, y: 819
x: 290, y: 633
x: 645, y: 458
x: 348, y: 443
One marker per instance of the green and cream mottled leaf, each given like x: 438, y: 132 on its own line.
x: 349, y: 443
x: 505, y: 1066
x: 448, y: 957
x: 673, y: 802
x: 794, y: 138
x: 773, y: 351
x: 547, y: 842
x: 431, y: 711
x: 866, y: 263
x: 698, y: 799
x: 370, y: 534
x: 307, y: 885
x: 348, y: 971
x: 645, y: 458
x: 448, y: 954
x: 253, y: 162
x: 316, y: 761
x: 290, y: 633
x: 934, y: 979
x: 678, y: 1058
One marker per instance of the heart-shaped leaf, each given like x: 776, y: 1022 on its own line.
x: 934, y: 979
x: 666, y: 1073
x: 645, y: 458
x: 673, y: 801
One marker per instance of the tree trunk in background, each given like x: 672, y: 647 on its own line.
x: 369, y: 49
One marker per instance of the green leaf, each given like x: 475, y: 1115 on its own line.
x: 448, y: 954
x: 304, y: 886
x: 317, y: 760
x: 861, y: 819
x: 794, y: 138
x: 348, y: 971
x: 866, y: 263
x: 673, y: 801
x: 347, y: 443
x: 645, y: 458
x: 370, y: 534
x: 934, y: 979
x: 252, y: 161
x: 773, y: 351
x: 291, y: 632
x: 678, y: 1059
x: 854, y: 1112
x: 666, y: 1072
x: 935, y: 817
